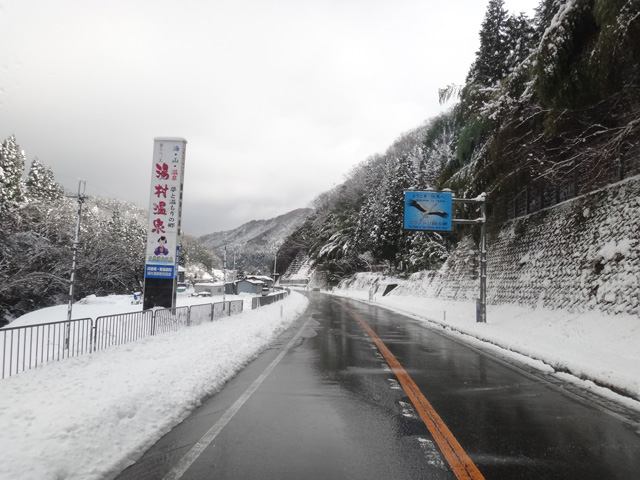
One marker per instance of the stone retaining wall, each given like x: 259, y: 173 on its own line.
x: 579, y: 255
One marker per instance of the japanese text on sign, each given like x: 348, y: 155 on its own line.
x: 165, y: 206
x: 427, y: 210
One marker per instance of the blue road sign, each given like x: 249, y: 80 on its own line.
x: 427, y: 210
x: 159, y: 271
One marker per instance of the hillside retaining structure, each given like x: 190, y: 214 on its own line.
x: 579, y: 255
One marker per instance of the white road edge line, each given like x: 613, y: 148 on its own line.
x: 192, y: 455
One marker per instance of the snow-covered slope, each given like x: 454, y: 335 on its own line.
x: 258, y: 235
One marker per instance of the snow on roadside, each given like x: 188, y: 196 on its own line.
x: 592, y: 346
x: 91, y: 416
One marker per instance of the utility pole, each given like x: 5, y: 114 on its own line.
x: 82, y: 184
x: 275, y: 262
x: 224, y: 278
x: 235, y: 273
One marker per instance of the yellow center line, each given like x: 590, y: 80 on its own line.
x: 462, y: 466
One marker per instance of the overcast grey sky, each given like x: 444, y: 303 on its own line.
x: 278, y: 99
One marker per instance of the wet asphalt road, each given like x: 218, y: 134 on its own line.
x: 323, y: 403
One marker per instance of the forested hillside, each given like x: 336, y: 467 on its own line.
x: 253, y: 245
x: 550, y: 110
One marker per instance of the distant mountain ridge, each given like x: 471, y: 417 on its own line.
x: 257, y: 236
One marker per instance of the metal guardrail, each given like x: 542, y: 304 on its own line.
x: 28, y: 347
x: 218, y: 310
x: 23, y: 348
x: 235, y: 307
x: 199, y: 314
x: 257, y: 302
x: 171, y: 319
x: 124, y: 328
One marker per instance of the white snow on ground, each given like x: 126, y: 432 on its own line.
x: 93, y: 307
x: 89, y: 417
x: 594, y: 346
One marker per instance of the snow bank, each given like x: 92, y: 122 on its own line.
x: 591, y: 345
x: 89, y: 417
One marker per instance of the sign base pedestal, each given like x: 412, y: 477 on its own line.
x: 158, y: 292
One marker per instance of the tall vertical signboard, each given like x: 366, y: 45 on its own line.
x: 165, y: 221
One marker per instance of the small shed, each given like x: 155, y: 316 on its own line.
x: 210, y: 288
x: 249, y: 285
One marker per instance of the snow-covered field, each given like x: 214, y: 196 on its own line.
x: 89, y: 417
x: 93, y: 307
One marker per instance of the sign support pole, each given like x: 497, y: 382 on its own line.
x: 82, y: 184
x: 224, y: 279
x: 481, y: 308
x: 432, y: 210
x: 483, y: 266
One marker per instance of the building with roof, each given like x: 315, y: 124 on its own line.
x: 249, y: 285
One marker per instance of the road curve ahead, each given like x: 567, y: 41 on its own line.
x: 353, y: 391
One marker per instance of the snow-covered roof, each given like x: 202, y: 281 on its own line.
x: 253, y: 281
x: 261, y: 277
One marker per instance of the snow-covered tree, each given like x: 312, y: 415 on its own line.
x: 41, y: 183
x: 112, y: 253
x: 381, y: 221
x: 37, y: 232
x: 505, y: 42
x: 490, y: 65
x: 439, y: 148
x: 12, y: 160
x: 194, y: 252
x: 519, y: 35
x: 423, y: 251
x: 559, y: 72
x: 544, y: 13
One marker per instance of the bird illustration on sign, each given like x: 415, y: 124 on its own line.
x: 428, y: 209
